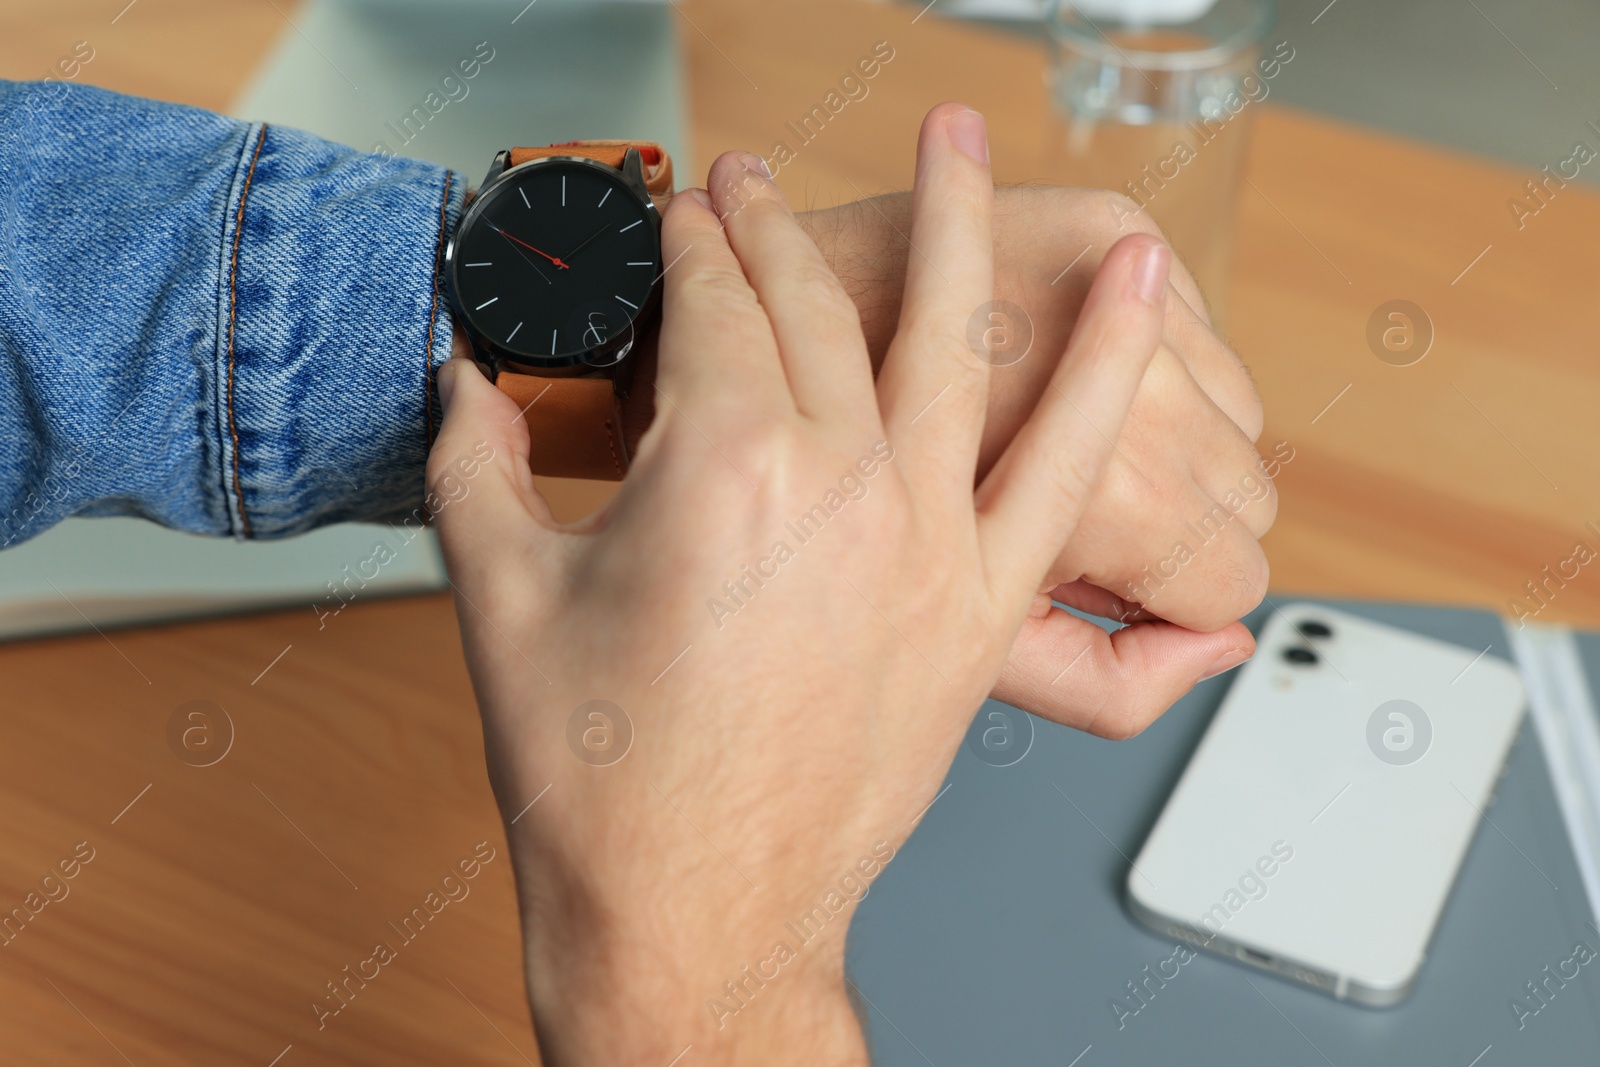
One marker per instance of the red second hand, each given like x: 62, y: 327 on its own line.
x: 526, y: 245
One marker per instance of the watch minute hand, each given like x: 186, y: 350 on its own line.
x: 591, y: 237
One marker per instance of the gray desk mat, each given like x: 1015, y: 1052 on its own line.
x: 998, y: 935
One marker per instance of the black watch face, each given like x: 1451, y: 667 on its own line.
x: 554, y: 264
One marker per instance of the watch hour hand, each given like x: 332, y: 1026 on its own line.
x: 524, y: 244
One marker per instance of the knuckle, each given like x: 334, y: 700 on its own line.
x: 821, y: 286
x: 761, y: 449
x: 1121, y: 215
x: 440, y: 466
x: 1073, y: 473
x: 940, y: 336
x: 753, y: 438
x: 1235, y: 587
x: 966, y: 196
x: 717, y: 285
x: 1250, y: 579
x: 1124, y: 719
x: 746, y: 206
x: 1149, y: 498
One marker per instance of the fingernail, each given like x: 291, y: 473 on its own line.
x: 969, y: 133
x: 701, y: 197
x: 447, y: 382
x: 1225, y: 662
x: 1150, y: 273
x: 755, y: 164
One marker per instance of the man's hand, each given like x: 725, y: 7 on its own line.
x: 714, y: 709
x: 1172, y: 528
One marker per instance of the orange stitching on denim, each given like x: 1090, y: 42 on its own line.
x: 233, y: 307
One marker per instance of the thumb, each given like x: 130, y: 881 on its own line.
x: 480, y: 488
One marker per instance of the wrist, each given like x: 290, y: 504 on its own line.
x: 865, y: 246
x: 635, y: 982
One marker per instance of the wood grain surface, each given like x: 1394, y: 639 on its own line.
x: 220, y: 900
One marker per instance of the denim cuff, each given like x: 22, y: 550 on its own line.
x: 332, y: 321
x: 227, y: 328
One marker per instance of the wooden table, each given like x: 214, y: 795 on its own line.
x: 221, y: 899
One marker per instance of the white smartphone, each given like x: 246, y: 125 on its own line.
x: 1322, y: 820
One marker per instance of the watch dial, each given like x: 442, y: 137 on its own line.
x: 556, y: 262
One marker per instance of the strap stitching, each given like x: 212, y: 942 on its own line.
x: 612, y: 432
x: 233, y: 311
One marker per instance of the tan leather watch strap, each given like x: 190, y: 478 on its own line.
x: 574, y: 425
x: 657, y: 164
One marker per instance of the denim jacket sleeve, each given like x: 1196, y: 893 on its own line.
x: 226, y: 327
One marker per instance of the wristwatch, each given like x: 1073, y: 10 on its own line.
x: 555, y: 274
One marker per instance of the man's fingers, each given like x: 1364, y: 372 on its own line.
x: 1030, y: 503
x: 817, y: 327
x: 717, y: 360
x: 1188, y: 557
x: 1215, y: 367
x: 1091, y: 599
x: 933, y: 389
x: 1228, y: 472
x: 1113, y: 685
x: 478, y: 482
x: 1197, y: 583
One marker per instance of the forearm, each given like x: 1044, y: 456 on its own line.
x: 225, y: 327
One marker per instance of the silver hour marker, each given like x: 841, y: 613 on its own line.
x: 513, y: 332
x: 552, y: 342
x: 524, y: 193
x: 563, y: 190
x: 492, y: 299
x: 602, y: 202
x: 630, y: 225
x: 491, y: 264
x: 641, y: 263
x: 633, y: 306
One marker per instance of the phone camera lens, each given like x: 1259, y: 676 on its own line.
x: 1300, y: 656
x: 1313, y: 628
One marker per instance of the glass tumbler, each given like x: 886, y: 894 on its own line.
x: 1160, y: 111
